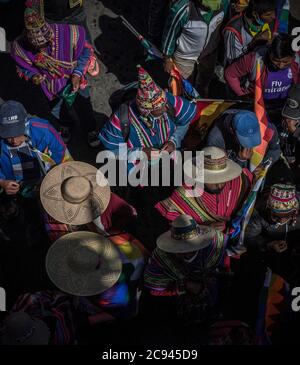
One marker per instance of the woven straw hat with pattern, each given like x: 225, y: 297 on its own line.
x: 75, y: 193
x: 83, y: 263
x: 185, y: 236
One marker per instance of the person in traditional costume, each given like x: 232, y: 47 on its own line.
x: 102, y: 273
x: 27, y: 145
x: 63, y: 12
x: 275, y: 218
x: 273, y: 232
x: 57, y: 57
x: 77, y: 199
x: 41, y: 318
x: 183, y: 266
x: 226, y: 185
x: 156, y: 121
x: 75, y: 195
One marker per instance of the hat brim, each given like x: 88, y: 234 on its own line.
x: 75, y: 214
x: 249, y: 142
x: 232, y: 171
x: 40, y: 336
x: 168, y: 244
x: 83, y: 284
x: 10, y: 132
x: 290, y: 113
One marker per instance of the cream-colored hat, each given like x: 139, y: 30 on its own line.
x: 83, y: 263
x: 218, y: 168
x: 185, y: 236
x: 71, y: 194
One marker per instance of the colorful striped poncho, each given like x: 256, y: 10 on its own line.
x: 53, y: 307
x: 121, y: 300
x: 207, y: 208
x: 164, y: 272
x: 141, y: 136
x: 67, y: 54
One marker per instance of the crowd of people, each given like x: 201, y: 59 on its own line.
x: 157, y: 263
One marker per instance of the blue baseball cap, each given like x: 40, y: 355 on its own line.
x: 246, y: 127
x: 12, y: 119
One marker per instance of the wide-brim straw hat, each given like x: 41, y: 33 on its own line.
x: 217, y: 168
x: 83, y: 263
x: 21, y: 329
x: 185, y: 236
x: 75, y: 193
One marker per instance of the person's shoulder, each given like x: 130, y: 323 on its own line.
x: 180, y: 5
x: 175, y: 100
x: 177, y: 103
x: 18, y: 42
x: 35, y: 121
x: 171, y: 99
x: 63, y: 28
x: 235, y: 22
x: 38, y: 125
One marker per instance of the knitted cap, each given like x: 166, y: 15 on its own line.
x: 149, y: 96
x: 38, y: 30
x: 282, y: 199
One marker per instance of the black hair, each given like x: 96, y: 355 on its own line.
x: 260, y: 7
x: 281, y: 46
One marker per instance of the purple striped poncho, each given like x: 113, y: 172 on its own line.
x: 67, y: 54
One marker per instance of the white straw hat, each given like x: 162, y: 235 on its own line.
x: 83, y: 263
x: 70, y: 193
